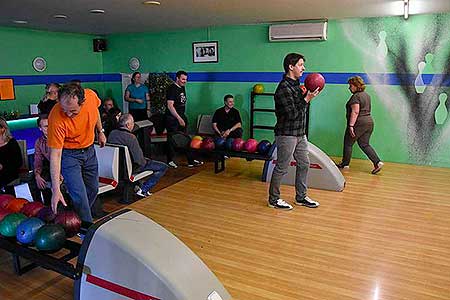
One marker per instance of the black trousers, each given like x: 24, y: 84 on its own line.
x: 174, y: 129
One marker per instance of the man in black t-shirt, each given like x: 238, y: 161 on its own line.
x: 176, y: 120
x: 227, y: 121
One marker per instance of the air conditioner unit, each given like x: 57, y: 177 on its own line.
x: 304, y: 31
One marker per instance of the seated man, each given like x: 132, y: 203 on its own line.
x: 123, y: 136
x: 108, y: 103
x: 42, y: 162
x: 227, y: 121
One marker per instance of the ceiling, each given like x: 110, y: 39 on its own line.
x: 123, y: 16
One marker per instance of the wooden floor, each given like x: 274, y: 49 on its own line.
x: 385, y: 237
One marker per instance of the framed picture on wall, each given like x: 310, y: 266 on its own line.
x: 205, y: 52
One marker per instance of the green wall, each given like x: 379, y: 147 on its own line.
x: 65, y: 54
x: 405, y: 129
x: 350, y: 48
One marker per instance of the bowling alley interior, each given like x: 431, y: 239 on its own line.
x: 218, y: 150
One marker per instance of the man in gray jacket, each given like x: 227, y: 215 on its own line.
x: 123, y: 136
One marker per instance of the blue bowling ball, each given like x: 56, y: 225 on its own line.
x: 264, y: 147
x: 229, y: 144
x: 27, y: 230
x: 220, y: 143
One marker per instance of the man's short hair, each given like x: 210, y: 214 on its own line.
x: 124, y: 120
x: 227, y: 97
x: 71, y: 90
x: 40, y: 118
x: 291, y: 60
x: 181, y: 72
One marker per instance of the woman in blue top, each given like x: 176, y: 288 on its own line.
x: 137, y: 95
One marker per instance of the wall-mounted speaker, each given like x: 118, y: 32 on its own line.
x: 99, y: 45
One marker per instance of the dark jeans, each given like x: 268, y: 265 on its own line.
x: 363, y: 132
x: 237, y: 133
x: 139, y: 114
x: 158, y: 168
x: 79, y: 168
x: 173, y: 128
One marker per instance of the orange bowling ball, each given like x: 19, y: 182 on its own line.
x: 15, y: 205
x: 196, y: 144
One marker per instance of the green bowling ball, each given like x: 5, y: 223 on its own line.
x: 50, y: 238
x: 8, y: 226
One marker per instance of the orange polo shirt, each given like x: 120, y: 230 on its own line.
x: 76, y: 132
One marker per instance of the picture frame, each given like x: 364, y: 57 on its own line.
x: 205, y: 52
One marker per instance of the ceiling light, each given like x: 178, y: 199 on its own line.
x: 97, y: 11
x: 151, y: 2
x: 60, y: 16
x: 406, y: 9
x: 20, y: 22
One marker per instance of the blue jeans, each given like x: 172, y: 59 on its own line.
x: 79, y: 168
x: 158, y: 168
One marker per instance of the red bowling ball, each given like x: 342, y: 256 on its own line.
x: 251, y: 145
x: 31, y: 209
x: 208, y: 144
x: 70, y: 221
x: 5, y: 199
x: 314, y: 81
x: 238, y: 144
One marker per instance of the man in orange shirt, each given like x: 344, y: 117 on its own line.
x: 71, y: 138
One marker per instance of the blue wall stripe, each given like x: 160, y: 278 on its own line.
x: 44, y: 79
x: 272, y: 77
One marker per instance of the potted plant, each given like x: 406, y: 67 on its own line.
x: 157, y: 84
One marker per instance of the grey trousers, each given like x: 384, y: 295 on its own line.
x: 286, y: 146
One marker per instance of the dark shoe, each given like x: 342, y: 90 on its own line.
x: 308, y: 202
x: 378, y: 167
x: 280, y: 204
x: 99, y: 214
x: 341, y: 166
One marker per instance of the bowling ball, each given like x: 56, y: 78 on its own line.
x: 46, y: 214
x: 5, y: 199
x: 8, y: 226
x: 50, y: 238
x: 238, y: 144
x: 196, y: 144
x: 314, y: 81
x: 208, y: 144
x: 197, y: 137
x: 15, y: 205
x: 264, y: 147
x: 229, y: 144
x: 220, y: 143
x: 70, y: 221
x: 3, y: 213
x: 251, y: 145
x: 27, y: 230
x: 31, y: 209
x: 258, y: 88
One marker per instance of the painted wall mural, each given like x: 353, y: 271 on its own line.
x: 408, y: 66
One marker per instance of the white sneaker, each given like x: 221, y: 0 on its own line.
x: 195, y: 163
x: 280, y: 204
x: 141, y: 193
x: 308, y: 202
x: 378, y: 167
x: 172, y: 164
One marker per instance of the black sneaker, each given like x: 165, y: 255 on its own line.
x: 308, y: 202
x: 341, y: 166
x: 195, y: 163
x: 281, y: 204
x: 378, y: 167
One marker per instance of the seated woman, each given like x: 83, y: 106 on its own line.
x: 10, y: 156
